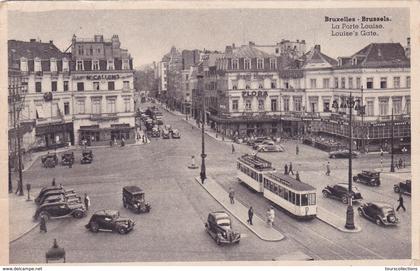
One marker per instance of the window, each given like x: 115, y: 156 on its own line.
x: 408, y: 81
x: 95, y: 65
x: 80, y: 86
x: 297, y: 104
x: 80, y: 50
x: 235, y: 64
x: 38, y: 86
x: 260, y: 86
x: 37, y: 65
x: 273, y: 63
x: 260, y: 63
x: 313, y: 83
x: 383, y: 82
x: 286, y: 104
x: 126, y: 85
x: 79, y: 65
x: 66, y: 108
x: 125, y: 64
x: 397, y: 105
x: 111, y: 85
x: 274, y: 105
x: 235, y: 106
x: 54, y: 86
x: 369, y: 83
x: 359, y: 82
x: 261, y: 105
x: 53, y: 65
x: 96, y: 106
x: 273, y: 84
x: 335, y: 82
x: 65, y: 65
x: 234, y: 87
x: 110, y: 106
x: 314, y: 106
x: 326, y: 106
x: 369, y: 108
x: 247, y: 64
x: 66, y: 85
x: 247, y: 87
x: 396, y: 82
x: 277, y: 50
x: 326, y: 83
x: 127, y: 105
x: 110, y: 64
x: 23, y: 64
x: 95, y: 85
x: 81, y: 106
x: 343, y: 82
x: 248, y: 104
x: 407, y: 105
x: 383, y: 107
x: 350, y: 82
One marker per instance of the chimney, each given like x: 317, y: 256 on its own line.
x: 32, y: 40
x: 317, y: 48
x: 51, y: 42
x: 233, y: 45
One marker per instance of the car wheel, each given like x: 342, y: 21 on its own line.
x: 360, y: 212
x: 94, y: 227
x: 218, y: 241
x: 355, y: 179
x: 378, y: 221
x: 344, y: 199
x: 78, y: 214
x: 45, y: 215
x: 325, y: 194
x: 396, y: 189
x: 121, y: 230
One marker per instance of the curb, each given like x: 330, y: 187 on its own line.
x: 240, y: 219
x: 25, y: 233
x: 340, y: 228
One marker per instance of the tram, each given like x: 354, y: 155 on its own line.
x: 297, y: 198
x: 250, y: 170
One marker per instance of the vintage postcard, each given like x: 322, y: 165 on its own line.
x: 209, y: 133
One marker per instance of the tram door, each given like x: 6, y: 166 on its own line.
x: 260, y: 180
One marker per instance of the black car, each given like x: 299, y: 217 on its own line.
x: 343, y: 154
x: 133, y: 198
x: 60, y: 209
x: 87, y: 157
x: 340, y: 191
x: 403, y: 187
x: 45, y: 196
x: 368, y: 177
x: 49, y: 160
x: 109, y: 220
x: 48, y: 189
x: 219, y: 227
x: 62, y: 198
x: 67, y: 158
x: 380, y: 212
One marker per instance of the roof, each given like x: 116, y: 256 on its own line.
x: 107, y: 212
x: 255, y: 162
x: 33, y: 49
x: 219, y: 215
x: 290, y: 182
x: 133, y: 189
x: 315, y: 56
x: 246, y: 51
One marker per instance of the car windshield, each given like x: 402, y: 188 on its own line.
x: 387, y: 210
x: 138, y: 196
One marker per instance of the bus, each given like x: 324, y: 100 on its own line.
x: 250, y: 169
x: 297, y: 198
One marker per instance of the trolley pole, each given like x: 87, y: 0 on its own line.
x: 350, y: 212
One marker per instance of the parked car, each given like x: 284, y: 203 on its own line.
x: 380, y: 212
x: 257, y: 146
x: 403, y: 187
x: 133, y: 198
x: 47, y: 190
x: 343, y: 154
x: 165, y: 134
x: 49, y: 160
x: 54, y: 193
x: 110, y: 220
x: 60, y: 209
x: 270, y: 148
x: 340, y: 191
x: 87, y: 157
x: 67, y: 158
x: 87, y: 153
x: 369, y: 177
x: 219, y: 227
x: 62, y: 198
x: 257, y: 140
x: 168, y: 128
x: 176, y: 134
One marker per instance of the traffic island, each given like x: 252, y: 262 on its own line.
x: 334, y: 221
x: 240, y: 211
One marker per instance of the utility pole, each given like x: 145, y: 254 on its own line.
x: 16, y: 125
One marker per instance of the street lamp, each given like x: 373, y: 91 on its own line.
x: 392, y: 141
x: 203, y: 154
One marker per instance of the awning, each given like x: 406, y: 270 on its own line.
x: 40, y: 114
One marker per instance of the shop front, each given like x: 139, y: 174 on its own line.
x: 52, y: 136
x: 94, y: 135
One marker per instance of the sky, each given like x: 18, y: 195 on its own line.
x: 149, y: 34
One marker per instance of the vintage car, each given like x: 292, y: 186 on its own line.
x: 257, y: 146
x: 368, y: 177
x: 47, y: 189
x: 403, y: 187
x: 60, y: 209
x: 219, y: 227
x: 67, y: 158
x: 270, y: 148
x: 380, y: 212
x: 155, y: 132
x: 87, y: 157
x: 255, y: 141
x: 62, y: 198
x: 54, y: 193
x: 343, y: 154
x: 340, y: 191
x: 133, y: 198
x: 166, y: 134
x: 49, y: 160
x: 109, y: 220
x: 175, y: 133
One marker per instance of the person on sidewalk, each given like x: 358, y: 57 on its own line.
x: 401, y: 203
x: 231, y: 195
x: 233, y: 149
x: 297, y: 176
x: 382, y: 152
x: 286, y: 170
x: 328, y: 169
x: 43, y: 225
x: 53, y: 182
x: 291, y: 169
x: 250, y: 215
x: 87, y: 201
x: 297, y: 149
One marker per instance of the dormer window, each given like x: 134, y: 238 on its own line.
x: 247, y: 64
x: 65, y: 65
x: 110, y: 64
x: 247, y: 87
x: 79, y: 65
x: 37, y: 65
x: 354, y: 61
x: 273, y: 63
x: 53, y: 65
x: 125, y: 64
x: 235, y: 64
x: 23, y: 64
x: 260, y: 63
x: 95, y: 65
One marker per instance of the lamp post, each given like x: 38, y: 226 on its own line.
x: 392, y: 141
x: 203, y: 154
x: 362, y: 113
x: 350, y: 212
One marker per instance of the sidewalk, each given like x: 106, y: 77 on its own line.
x: 240, y: 211
x: 334, y: 220
x: 20, y: 216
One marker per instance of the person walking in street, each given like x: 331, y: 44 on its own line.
x: 291, y: 169
x: 297, y: 176
x: 87, y: 201
x: 250, y: 215
x: 53, y: 182
x: 231, y: 195
x: 401, y: 203
x: 286, y: 170
x: 382, y: 152
x: 328, y: 169
x: 233, y: 149
x: 43, y: 224
x: 297, y: 149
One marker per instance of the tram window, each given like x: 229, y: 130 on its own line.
x: 297, y: 202
x: 286, y: 194
x: 312, y: 199
x: 280, y: 193
x: 304, y: 201
x: 275, y: 188
x: 292, y: 197
x: 260, y: 177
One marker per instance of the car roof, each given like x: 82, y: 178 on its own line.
x: 133, y: 189
x: 381, y: 204
x: 106, y: 212
x: 219, y: 215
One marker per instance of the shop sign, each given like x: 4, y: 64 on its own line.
x: 97, y: 77
x: 254, y: 93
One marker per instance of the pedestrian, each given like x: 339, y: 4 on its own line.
x: 87, y: 201
x: 233, y: 149
x: 268, y: 221
x: 53, y: 182
x: 297, y: 149
x: 231, y: 195
x: 43, y: 224
x: 297, y: 176
x: 286, y: 170
x: 122, y: 142
x: 250, y: 215
x: 401, y: 203
x: 400, y: 163
x: 328, y: 169
x: 382, y: 152
x: 291, y: 168
x: 115, y: 141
